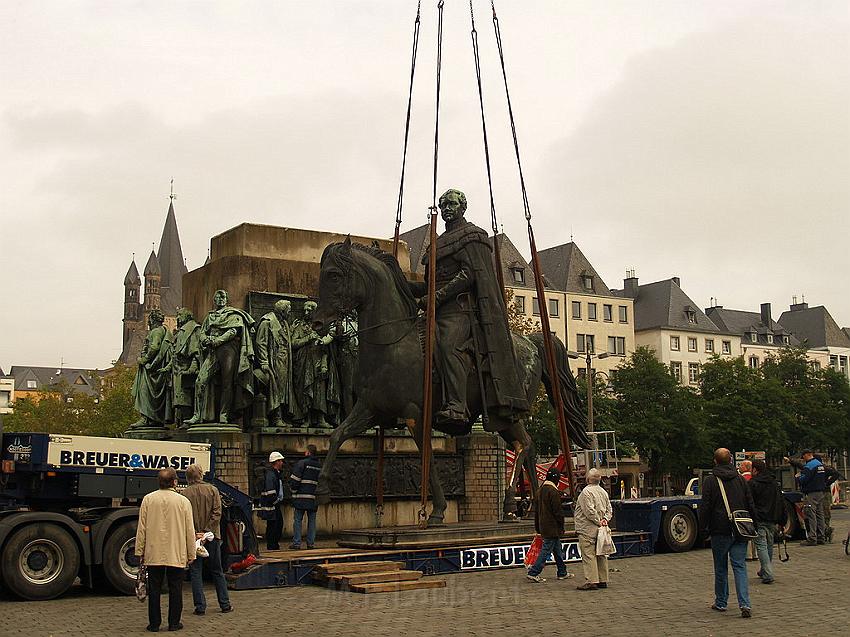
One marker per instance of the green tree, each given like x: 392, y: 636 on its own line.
x: 65, y: 410
x: 743, y: 408
x: 662, y: 419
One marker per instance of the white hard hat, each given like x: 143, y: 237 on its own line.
x: 274, y: 456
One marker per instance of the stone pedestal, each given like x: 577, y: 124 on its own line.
x: 231, y: 455
x: 484, y: 477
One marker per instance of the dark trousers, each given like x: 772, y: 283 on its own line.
x: 274, y: 529
x: 196, y: 570
x: 156, y: 575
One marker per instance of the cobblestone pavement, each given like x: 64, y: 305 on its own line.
x: 665, y: 594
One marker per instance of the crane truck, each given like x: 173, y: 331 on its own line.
x: 69, y: 508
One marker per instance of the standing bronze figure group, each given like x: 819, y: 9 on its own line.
x: 230, y: 367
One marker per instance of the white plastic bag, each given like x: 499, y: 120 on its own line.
x: 605, y: 542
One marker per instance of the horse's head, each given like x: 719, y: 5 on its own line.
x: 340, y: 291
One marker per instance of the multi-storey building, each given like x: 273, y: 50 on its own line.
x: 671, y: 324
x: 761, y: 336
x: 7, y: 393
x: 818, y: 331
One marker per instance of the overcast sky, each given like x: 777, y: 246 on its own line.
x: 705, y: 140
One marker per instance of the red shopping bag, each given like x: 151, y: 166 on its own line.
x: 533, y: 552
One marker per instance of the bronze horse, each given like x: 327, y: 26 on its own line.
x: 391, y: 364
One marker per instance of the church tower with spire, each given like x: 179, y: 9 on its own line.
x: 163, y: 288
x: 132, y: 301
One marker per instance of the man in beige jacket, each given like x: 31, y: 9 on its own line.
x: 165, y: 540
x: 592, y: 511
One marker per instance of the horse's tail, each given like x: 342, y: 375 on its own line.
x: 576, y: 418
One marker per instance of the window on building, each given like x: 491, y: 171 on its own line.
x: 726, y: 347
x: 691, y: 315
x: 770, y: 338
x: 693, y: 373
x: 589, y: 341
x: 580, y: 343
x: 582, y: 372
x: 518, y: 275
x: 591, y: 311
x: 612, y: 344
x: 620, y: 346
x: 692, y: 344
x: 674, y: 343
x: 815, y: 365
x: 553, y: 308
x: 132, y: 294
x: 520, y: 304
x: 754, y: 362
x: 587, y: 281
x: 786, y: 340
x: 608, y: 313
x: 80, y: 381
x: 535, y: 306
x: 833, y: 362
x: 676, y: 370
x: 754, y: 337
x: 584, y: 343
x: 32, y: 384
x: 842, y: 364
x: 576, y: 309
x: 709, y: 346
x: 624, y: 314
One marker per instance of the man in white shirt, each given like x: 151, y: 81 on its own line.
x: 592, y: 511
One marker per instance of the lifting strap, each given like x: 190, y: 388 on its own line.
x: 430, y: 311
x: 549, y: 349
x: 379, y: 478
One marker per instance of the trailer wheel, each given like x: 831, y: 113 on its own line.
x: 791, y: 528
x: 120, y: 564
x: 679, y: 529
x: 40, y: 561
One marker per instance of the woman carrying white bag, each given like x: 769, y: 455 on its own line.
x: 592, y: 514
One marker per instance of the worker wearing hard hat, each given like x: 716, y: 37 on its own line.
x: 272, y: 496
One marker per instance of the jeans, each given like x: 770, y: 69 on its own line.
x: 764, y: 549
x: 725, y: 549
x: 196, y: 570
x: 297, y: 520
x: 551, y: 546
x: 815, y: 523
x: 274, y: 529
x: 156, y: 575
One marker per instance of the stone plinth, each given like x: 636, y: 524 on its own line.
x: 484, y: 477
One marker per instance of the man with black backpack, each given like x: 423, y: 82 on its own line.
x: 725, y: 492
x: 770, y: 511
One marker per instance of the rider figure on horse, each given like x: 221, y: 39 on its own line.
x: 466, y: 276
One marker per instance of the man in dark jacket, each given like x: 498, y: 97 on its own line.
x: 812, y: 479
x: 303, y: 482
x: 549, y: 524
x: 832, y: 476
x: 272, y: 496
x: 770, y: 511
x: 726, y: 546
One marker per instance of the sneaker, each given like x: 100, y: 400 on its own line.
x: 535, y: 578
x: 152, y: 629
x: 767, y: 581
x: 566, y: 576
x: 759, y: 573
x: 311, y: 546
x: 295, y: 547
x: 229, y: 609
x: 602, y: 585
x: 587, y: 586
x: 720, y: 609
x: 198, y: 611
x: 746, y: 613
x: 177, y: 627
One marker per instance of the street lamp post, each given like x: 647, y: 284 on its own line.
x: 590, y: 376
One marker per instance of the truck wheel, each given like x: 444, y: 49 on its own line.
x: 120, y: 564
x: 679, y: 529
x: 40, y: 561
x: 791, y: 528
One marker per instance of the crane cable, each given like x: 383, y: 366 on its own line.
x: 430, y: 311
x: 549, y: 349
x: 497, y: 252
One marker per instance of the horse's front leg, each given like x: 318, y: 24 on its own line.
x: 438, y: 496
x: 516, y: 436
x: 357, y: 422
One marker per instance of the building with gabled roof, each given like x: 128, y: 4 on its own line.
x: 163, y: 289
x: 670, y: 323
x: 7, y: 392
x: 818, y: 331
x: 761, y: 336
x: 32, y: 382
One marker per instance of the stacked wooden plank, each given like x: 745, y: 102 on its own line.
x: 372, y: 577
